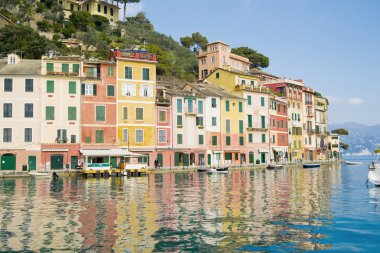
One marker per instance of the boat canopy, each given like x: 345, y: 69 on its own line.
x: 109, y: 152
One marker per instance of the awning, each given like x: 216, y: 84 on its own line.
x: 277, y: 149
x: 55, y: 150
x: 264, y: 151
x: 109, y: 152
x: 217, y: 151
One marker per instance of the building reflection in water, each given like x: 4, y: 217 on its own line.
x: 252, y: 210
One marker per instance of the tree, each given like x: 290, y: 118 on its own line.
x: 81, y: 20
x: 101, y: 23
x: 195, y: 42
x: 256, y: 59
x: 44, y: 25
x: 343, y: 145
x: 340, y: 131
x: 163, y: 58
x: 22, y: 38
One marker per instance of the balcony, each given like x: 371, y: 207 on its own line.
x: 163, y: 101
x: 310, y: 131
x: 320, y: 108
x: 61, y: 73
x: 321, y: 133
x: 248, y: 87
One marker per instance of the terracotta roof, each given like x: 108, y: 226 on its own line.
x: 213, y: 90
x: 256, y: 71
x: 24, y: 67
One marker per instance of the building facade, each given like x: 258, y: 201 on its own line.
x: 278, y: 133
x: 321, y: 105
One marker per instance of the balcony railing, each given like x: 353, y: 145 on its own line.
x: 136, y: 54
x: 251, y: 87
x: 162, y: 101
x: 61, y: 73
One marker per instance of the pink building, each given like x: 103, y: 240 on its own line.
x: 278, y: 128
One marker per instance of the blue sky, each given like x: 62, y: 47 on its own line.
x: 333, y: 45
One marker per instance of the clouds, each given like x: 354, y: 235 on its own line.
x: 345, y: 101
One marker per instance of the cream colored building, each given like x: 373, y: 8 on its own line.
x: 321, y: 105
x: 334, y: 145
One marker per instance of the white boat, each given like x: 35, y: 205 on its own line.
x: 40, y: 174
x: 353, y: 163
x: 374, y: 173
x: 212, y: 171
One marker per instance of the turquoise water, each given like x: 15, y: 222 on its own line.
x: 289, y: 210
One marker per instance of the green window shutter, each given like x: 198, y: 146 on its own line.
x: 251, y: 157
x: 200, y: 139
x: 241, y: 127
x: 250, y: 138
x: 65, y: 68
x: 227, y: 106
x: 162, y: 116
x: 83, y: 89
x: 242, y: 81
x: 139, y: 113
x: 179, y: 105
x: 240, y: 106
x: 95, y: 89
x: 215, y: 140
x: 146, y: 73
x: 179, y: 120
x: 241, y: 140
x: 199, y: 121
x: 87, y: 139
x: 125, y: 112
x: 179, y: 138
x: 110, y: 71
x: 200, y: 107
x: 50, y: 86
x: 72, y: 113
x: 262, y: 121
x: 213, y: 121
x: 252, y: 82
x: 110, y: 90
x: 262, y: 101
x: 263, y: 138
x: 176, y: 159
x: 213, y: 102
x: 228, y: 140
x: 72, y: 87
x: 249, y: 100
x: 50, y: 67
x: 76, y: 68
x: 90, y: 72
x: 49, y: 112
x: 100, y: 113
x: 128, y: 73
x: 228, y: 126
x: 250, y: 121
x: 190, y: 105
x: 99, y: 136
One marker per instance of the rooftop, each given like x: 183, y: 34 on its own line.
x: 24, y: 67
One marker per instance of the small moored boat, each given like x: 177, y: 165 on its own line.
x: 311, y: 165
x: 202, y: 169
x: 353, y: 163
x: 275, y: 166
x: 374, y: 173
x: 40, y: 174
x: 224, y: 169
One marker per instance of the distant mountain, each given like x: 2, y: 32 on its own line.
x: 362, y: 139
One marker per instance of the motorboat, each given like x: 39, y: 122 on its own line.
x: 275, y: 166
x: 353, y: 163
x: 203, y: 169
x: 40, y: 174
x: 224, y: 169
x: 374, y: 173
x: 311, y: 165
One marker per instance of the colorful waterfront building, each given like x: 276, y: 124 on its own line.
x: 292, y: 91
x: 60, y: 109
x: 278, y: 128
x: 321, y: 105
x: 309, y: 124
x: 218, y: 55
x: 136, y: 98
x: 334, y: 146
x: 98, y: 113
x: 20, y: 118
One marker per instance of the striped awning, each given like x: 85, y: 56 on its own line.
x: 55, y: 150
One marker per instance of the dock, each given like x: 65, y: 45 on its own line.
x: 105, y: 173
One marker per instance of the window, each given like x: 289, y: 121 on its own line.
x: 99, y: 136
x: 179, y: 139
x: 199, y: 121
x: 105, y: 9
x: 162, y: 116
x: 241, y: 141
x: 213, y: 121
x: 146, y: 76
x: 8, y: 84
x: 28, y: 135
x: 89, y: 89
x: 65, y: 68
x: 28, y: 112
x: 146, y: 91
x: 262, y: 121
x: 200, y: 139
x: 28, y: 85
x: 228, y: 140
x: 190, y: 106
x: 262, y: 101
x: 249, y: 100
x: 241, y: 125
x: 73, y: 138
x: 100, y: 113
x: 72, y: 87
x: 179, y: 120
x: 125, y: 112
x: 242, y: 81
x: 99, y: 8
x: 72, y: 113
x: 217, y: 75
x: 111, y: 71
x: 273, y: 139
x: 162, y: 136
x: 128, y: 90
x: 7, y: 110
x: 111, y: 11
x: 49, y: 113
x: 200, y: 107
x: 139, y: 113
x: 227, y: 106
x: 299, y: 144
x: 92, y: 72
x: 283, y: 138
x: 228, y: 126
x: 263, y: 138
x: 139, y: 136
x: 71, y: 7
x: 128, y: 72
x: 50, y: 86
x: 240, y: 106
x: 214, y: 140
x: 252, y: 82
x: 179, y: 105
x: 50, y: 67
x: 125, y: 135
x: 76, y: 68
x: 87, y: 139
x: 250, y: 138
x: 203, y: 61
x: 110, y: 90
x: 213, y: 102
x: 250, y: 121
x: 7, y: 135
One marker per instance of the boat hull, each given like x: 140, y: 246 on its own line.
x: 40, y: 174
x: 272, y: 167
x: 311, y: 165
x: 374, y: 173
x: 353, y: 163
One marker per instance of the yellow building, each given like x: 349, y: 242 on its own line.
x: 94, y: 7
x: 136, y: 85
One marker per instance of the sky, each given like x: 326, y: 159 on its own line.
x: 333, y: 45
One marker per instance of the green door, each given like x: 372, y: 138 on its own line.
x: 251, y: 158
x: 56, y: 162
x: 185, y: 159
x: 32, y: 162
x: 176, y: 159
x: 262, y: 157
x: 73, y: 162
x: 8, y: 162
x: 113, y: 162
x: 160, y: 159
x: 209, y: 159
x: 311, y: 155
